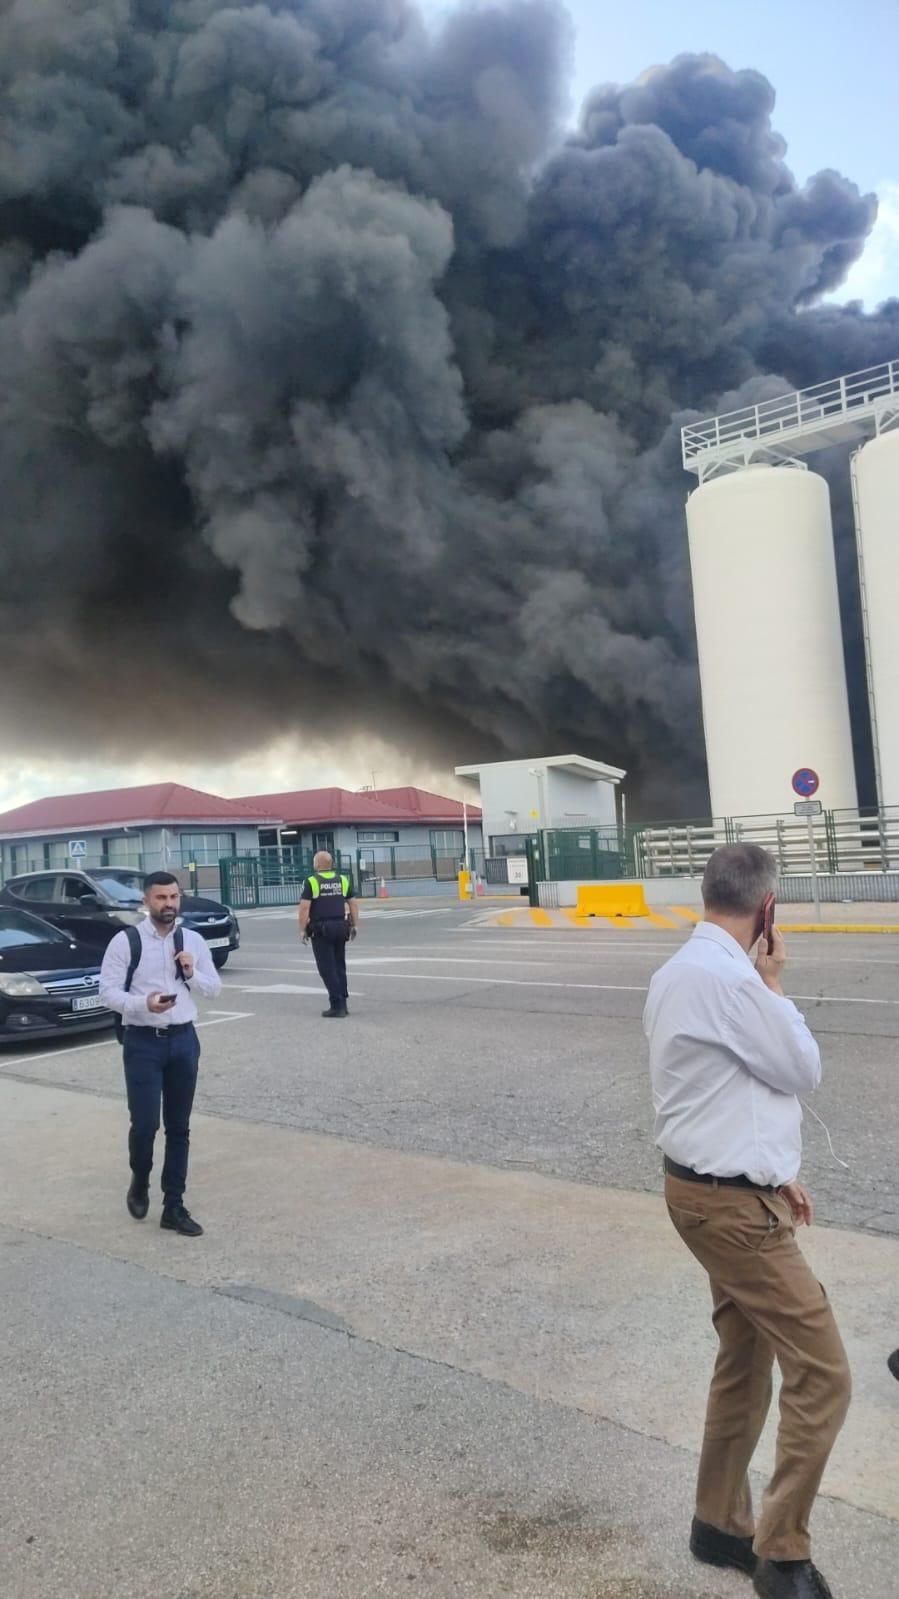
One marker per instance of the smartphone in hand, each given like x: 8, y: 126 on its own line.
x: 167, y: 999
x: 768, y: 921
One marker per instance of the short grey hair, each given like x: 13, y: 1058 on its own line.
x: 322, y: 860
x: 737, y: 878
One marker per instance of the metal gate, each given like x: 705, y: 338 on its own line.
x: 273, y: 877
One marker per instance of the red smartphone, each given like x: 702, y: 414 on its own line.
x: 768, y: 920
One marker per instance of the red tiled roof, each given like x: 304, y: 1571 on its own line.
x: 317, y: 806
x: 427, y: 807
x: 118, y: 807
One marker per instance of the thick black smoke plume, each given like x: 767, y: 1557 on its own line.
x: 340, y: 390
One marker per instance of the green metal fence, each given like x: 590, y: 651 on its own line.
x: 273, y: 877
x: 571, y: 853
x: 838, y: 842
x: 276, y: 876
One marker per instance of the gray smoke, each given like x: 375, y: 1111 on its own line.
x: 341, y: 390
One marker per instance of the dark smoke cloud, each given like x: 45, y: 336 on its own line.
x: 340, y: 391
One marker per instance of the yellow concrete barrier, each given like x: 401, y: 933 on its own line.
x: 611, y: 899
x: 465, y: 891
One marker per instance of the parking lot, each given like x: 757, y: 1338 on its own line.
x: 439, y: 1336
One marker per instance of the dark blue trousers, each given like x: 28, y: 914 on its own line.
x: 329, y: 948
x: 161, y: 1072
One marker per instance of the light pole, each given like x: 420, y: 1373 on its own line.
x: 542, y: 819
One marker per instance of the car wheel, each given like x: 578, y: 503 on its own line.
x: 219, y: 957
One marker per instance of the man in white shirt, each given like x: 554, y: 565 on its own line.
x: 161, y: 1048
x: 729, y: 1058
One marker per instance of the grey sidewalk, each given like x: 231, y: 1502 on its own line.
x: 493, y: 1378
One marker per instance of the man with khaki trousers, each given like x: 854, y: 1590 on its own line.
x: 729, y: 1058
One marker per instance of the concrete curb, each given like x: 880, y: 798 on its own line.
x: 677, y: 919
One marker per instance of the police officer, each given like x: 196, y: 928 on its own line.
x: 329, y: 915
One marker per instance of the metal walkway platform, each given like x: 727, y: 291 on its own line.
x: 846, y: 410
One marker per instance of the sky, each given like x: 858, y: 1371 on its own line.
x: 835, y: 83
x: 834, y: 74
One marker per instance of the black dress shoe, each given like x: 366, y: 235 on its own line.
x: 175, y: 1219
x: 718, y: 1548
x: 893, y: 1363
x: 789, y: 1579
x: 138, y: 1200
x: 335, y: 1011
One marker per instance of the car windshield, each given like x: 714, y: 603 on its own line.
x: 17, y: 928
x: 126, y: 888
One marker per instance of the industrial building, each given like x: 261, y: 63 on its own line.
x: 521, y: 798
x: 390, y: 832
x: 765, y: 594
x: 396, y: 833
x: 156, y: 826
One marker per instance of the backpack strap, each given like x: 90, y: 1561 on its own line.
x: 178, y: 941
x: 135, y: 946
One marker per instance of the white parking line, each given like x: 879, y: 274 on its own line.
x: 285, y: 988
x: 53, y: 1054
x: 216, y: 1017
x: 604, y: 988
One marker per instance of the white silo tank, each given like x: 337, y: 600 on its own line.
x: 876, y: 469
x: 770, y: 646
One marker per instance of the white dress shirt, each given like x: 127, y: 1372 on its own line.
x: 157, y: 973
x: 728, y: 1060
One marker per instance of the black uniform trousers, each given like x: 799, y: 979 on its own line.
x: 161, y: 1067
x: 329, y: 938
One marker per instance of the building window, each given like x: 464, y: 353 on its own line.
x: 122, y: 851
x: 377, y: 838
x: 509, y: 843
x: 323, y: 841
x: 206, y: 849
x: 447, y: 841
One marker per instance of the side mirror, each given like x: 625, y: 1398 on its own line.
x: 89, y: 899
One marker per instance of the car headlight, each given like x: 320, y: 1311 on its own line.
x: 20, y: 986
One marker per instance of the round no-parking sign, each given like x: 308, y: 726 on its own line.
x: 806, y: 782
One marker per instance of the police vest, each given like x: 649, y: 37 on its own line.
x: 329, y: 894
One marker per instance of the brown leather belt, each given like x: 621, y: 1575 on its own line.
x: 688, y: 1175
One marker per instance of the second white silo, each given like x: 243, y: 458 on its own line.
x: 876, y: 470
x: 768, y: 634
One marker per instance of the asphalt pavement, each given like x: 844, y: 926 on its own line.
x: 439, y: 1336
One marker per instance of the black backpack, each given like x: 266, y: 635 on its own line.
x: 135, y: 945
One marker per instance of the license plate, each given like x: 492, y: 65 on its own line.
x: 217, y: 943
x: 92, y: 1003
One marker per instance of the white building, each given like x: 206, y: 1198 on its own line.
x: 520, y: 798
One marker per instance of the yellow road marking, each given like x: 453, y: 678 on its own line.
x: 540, y: 918
x: 685, y: 911
x: 662, y: 921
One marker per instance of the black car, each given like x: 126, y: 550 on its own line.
x: 92, y: 906
x: 49, y: 984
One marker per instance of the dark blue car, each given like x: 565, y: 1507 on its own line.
x: 49, y: 983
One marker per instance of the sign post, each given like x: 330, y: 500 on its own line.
x: 806, y: 782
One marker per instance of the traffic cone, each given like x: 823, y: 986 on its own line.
x: 382, y: 892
